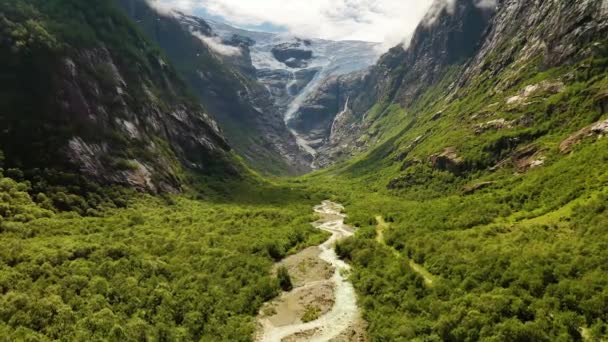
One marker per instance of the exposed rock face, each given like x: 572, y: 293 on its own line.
x: 292, y: 69
x: 94, y: 104
x: 285, y: 85
x: 294, y: 54
x: 317, y: 113
x: 523, y: 159
x: 112, y: 117
x: 448, y: 160
x: 401, y: 74
x: 557, y: 31
x: 597, y: 129
x: 544, y: 87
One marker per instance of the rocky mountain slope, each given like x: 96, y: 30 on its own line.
x: 85, y: 94
x: 453, y: 48
x: 221, y: 74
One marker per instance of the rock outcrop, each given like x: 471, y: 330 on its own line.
x: 293, y: 54
x: 448, y: 160
x: 597, y: 129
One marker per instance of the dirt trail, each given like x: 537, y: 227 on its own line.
x: 340, y: 321
x: 381, y: 227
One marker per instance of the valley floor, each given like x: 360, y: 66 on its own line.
x: 173, y: 268
x: 444, y: 267
x: 323, y: 304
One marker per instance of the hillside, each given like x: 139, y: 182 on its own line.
x: 124, y: 214
x: 488, y: 165
x: 90, y: 100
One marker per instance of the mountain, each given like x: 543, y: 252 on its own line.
x: 292, y: 68
x: 223, y: 78
x: 453, y: 47
x: 93, y: 98
x: 125, y: 215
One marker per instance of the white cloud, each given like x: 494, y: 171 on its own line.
x: 215, y: 44
x: 167, y: 6
x: 489, y: 4
x: 388, y: 21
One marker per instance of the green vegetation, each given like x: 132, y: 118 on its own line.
x: 311, y: 313
x: 284, y: 279
x: 504, y: 239
x: 514, y: 253
x: 168, y: 268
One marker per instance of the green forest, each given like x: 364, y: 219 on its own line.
x: 175, y: 268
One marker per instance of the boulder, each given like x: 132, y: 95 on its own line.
x: 448, y: 160
x: 497, y: 124
x: 294, y: 55
x: 598, y: 128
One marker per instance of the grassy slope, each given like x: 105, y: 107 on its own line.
x: 523, y: 259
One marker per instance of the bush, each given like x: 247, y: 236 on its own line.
x: 284, y: 279
x: 311, y: 313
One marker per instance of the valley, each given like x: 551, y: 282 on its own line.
x: 168, y: 177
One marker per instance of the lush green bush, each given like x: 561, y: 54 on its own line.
x: 284, y: 279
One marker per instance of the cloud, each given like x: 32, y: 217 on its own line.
x: 488, y: 4
x: 387, y: 21
x: 167, y: 6
x: 438, y: 6
x: 435, y: 10
x: 215, y: 44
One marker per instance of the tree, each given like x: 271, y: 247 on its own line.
x: 284, y: 279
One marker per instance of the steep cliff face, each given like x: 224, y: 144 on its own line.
x: 535, y: 75
x: 555, y: 32
x: 220, y: 71
x: 455, y: 48
x: 83, y: 92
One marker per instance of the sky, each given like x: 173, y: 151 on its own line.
x: 387, y: 21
